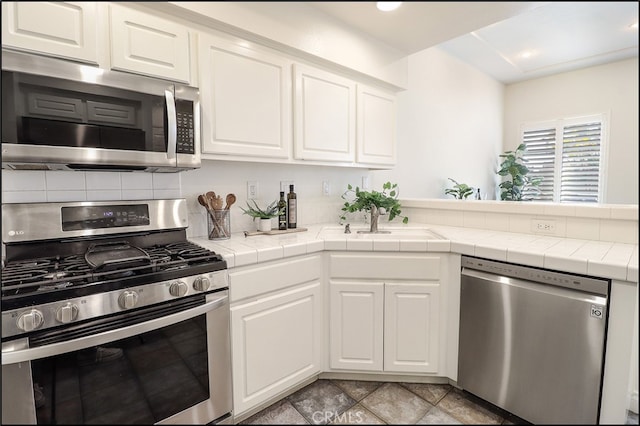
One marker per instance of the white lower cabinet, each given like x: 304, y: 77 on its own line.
x: 411, y: 326
x: 276, y: 328
x: 386, y: 312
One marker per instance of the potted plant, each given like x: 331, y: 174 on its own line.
x: 513, y: 167
x: 459, y: 191
x: 373, y: 202
x: 263, y: 214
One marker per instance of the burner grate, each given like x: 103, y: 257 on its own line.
x: 55, y: 273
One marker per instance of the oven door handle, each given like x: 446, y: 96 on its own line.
x: 13, y: 355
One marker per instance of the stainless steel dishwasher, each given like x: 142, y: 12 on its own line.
x: 532, y: 340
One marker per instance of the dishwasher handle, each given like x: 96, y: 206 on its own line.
x: 554, y: 290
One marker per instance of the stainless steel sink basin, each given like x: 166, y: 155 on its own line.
x: 388, y: 233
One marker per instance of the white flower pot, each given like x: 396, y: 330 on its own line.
x: 264, y: 225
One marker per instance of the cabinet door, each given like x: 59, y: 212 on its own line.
x: 355, y: 325
x: 324, y: 116
x: 376, y: 119
x: 246, y: 100
x: 411, y: 328
x: 62, y: 29
x: 149, y: 45
x: 275, y: 344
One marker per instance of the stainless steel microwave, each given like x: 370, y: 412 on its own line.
x: 60, y: 115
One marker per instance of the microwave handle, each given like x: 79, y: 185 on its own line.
x: 172, y: 123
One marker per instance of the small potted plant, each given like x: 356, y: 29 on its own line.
x: 459, y: 191
x: 373, y: 202
x: 263, y: 214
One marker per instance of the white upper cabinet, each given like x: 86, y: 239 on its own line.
x: 376, y: 126
x: 246, y: 100
x: 149, y: 45
x: 324, y: 115
x: 62, y: 29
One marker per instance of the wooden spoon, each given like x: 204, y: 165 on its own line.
x: 203, y: 202
x: 210, y: 199
x: 231, y: 198
x: 217, y: 203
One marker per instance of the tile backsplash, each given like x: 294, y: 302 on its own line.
x: 60, y: 186
x: 617, y: 223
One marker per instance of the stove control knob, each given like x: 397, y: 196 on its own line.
x: 201, y: 284
x: 128, y: 299
x: 178, y: 288
x: 30, y: 320
x: 67, y: 313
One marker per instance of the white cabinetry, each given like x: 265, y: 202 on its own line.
x: 376, y: 118
x: 386, y: 312
x: 246, y: 98
x: 63, y: 29
x: 147, y: 44
x: 108, y: 35
x: 276, y: 328
x: 324, y: 115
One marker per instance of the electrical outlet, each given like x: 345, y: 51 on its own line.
x: 284, y: 185
x: 544, y: 226
x: 252, y: 189
x: 365, y: 182
x: 326, y: 188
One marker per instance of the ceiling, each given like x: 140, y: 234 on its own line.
x: 491, y: 36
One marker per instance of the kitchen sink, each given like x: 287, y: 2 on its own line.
x: 386, y: 233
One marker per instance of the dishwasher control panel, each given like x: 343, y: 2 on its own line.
x: 545, y: 276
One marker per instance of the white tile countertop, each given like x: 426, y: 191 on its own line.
x: 597, y: 258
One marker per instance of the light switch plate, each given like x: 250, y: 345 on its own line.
x: 252, y: 190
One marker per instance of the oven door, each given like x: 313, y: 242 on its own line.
x: 168, y: 364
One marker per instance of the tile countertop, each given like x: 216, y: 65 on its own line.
x: 597, y: 258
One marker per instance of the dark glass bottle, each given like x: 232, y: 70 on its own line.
x: 292, y: 208
x: 282, y: 207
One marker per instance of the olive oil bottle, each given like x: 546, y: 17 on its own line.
x: 292, y: 208
x: 282, y: 208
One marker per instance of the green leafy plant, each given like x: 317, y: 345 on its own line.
x: 257, y: 212
x: 365, y: 200
x: 459, y: 190
x: 513, y: 166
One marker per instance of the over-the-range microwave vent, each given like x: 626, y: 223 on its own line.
x: 30, y: 166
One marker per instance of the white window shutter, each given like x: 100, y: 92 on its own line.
x: 539, y: 158
x: 570, y: 167
x: 581, y: 147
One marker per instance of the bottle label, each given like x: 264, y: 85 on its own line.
x: 292, y: 211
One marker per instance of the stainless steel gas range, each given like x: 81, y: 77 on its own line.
x: 110, y: 315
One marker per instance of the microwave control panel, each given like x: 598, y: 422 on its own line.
x: 186, y: 137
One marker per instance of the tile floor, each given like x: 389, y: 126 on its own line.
x: 358, y: 402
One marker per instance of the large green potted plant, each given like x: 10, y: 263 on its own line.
x: 373, y: 202
x: 517, y: 182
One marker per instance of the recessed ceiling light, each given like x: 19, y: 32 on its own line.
x: 634, y: 26
x: 388, y: 6
x: 525, y: 54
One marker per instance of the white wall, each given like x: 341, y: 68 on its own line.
x: 610, y: 88
x: 449, y: 126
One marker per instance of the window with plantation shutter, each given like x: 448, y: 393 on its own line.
x: 567, y: 155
